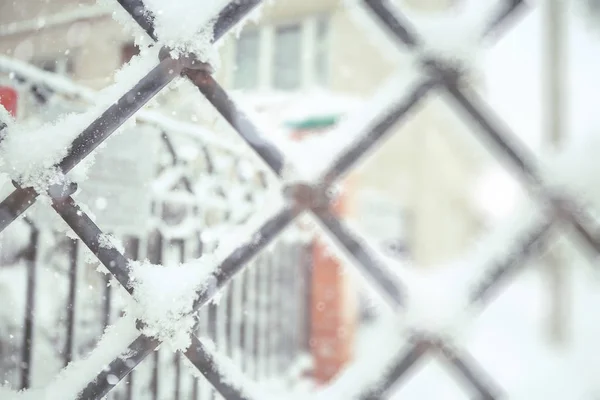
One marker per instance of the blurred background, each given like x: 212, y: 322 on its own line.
x: 169, y: 187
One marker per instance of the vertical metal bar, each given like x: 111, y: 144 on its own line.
x: 177, y: 377
x: 554, y: 123
x: 212, y: 333
x: 245, y: 329
x: 155, y: 254
x: 71, y: 299
x: 307, y: 275
x: 289, y: 265
x: 180, y: 244
x: 221, y: 322
x: 106, y: 309
x: 206, y: 325
x: 262, y: 314
x: 132, y: 251
x: 195, y: 391
x: 251, y: 321
x: 280, y: 297
x: 296, y: 275
x: 272, y: 312
x: 237, y: 316
x: 30, y: 259
x: 197, y: 251
x: 107, y: 302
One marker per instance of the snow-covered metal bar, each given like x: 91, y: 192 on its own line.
x: 30, y: 258
x: 506, y: 15
x: 218, y: 373
x: 263, y: 292
x: 495, y: 274
x: 381, y: 125
x: 526, y: 244
x: 366, y: 261
x: 565, y: 207
x: 143, y: 346
x: 392, y: 374
x: 69, y: 89
x: 240, y: 122
x: 91, y: 235
x: 98, y: 131
x: 467, y: 367
x: 119, y: 368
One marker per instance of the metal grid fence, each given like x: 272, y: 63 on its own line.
x: 192, y: 208
x: 313, y: 197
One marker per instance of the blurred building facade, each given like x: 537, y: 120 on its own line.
x: 422, y: 175
x: 413, y: 194
x: 421, y: 179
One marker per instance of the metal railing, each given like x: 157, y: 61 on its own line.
x: 315, y: 198
x: 189, y: 217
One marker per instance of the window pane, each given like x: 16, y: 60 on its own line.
x: 322, y: 53
x: 288, y: 64
x: 246, y: 59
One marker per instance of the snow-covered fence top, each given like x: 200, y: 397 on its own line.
x: 184, y: 34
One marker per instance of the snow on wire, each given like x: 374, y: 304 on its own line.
x: 300, y: 197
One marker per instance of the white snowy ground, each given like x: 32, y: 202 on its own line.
x: 510, y: 342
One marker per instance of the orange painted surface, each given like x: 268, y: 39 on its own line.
x: 334, y: 311
x: 333, y: 306
x: 9, y: 99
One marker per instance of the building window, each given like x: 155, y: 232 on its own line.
x: 283, y: 57
x: 58, y: 65
x: 287, y: 57
x: 246, y: 60
x: 321, y: 51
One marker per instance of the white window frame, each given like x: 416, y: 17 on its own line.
x: 308, y: 72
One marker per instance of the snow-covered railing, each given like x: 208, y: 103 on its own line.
x: 203, y: 190
x: 124, y: 347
